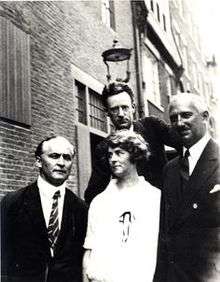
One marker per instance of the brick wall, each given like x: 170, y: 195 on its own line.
x: 61, y: 34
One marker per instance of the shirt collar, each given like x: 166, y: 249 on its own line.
x: 197, y: 149
x: 47, y: 190
x: 131, y: 129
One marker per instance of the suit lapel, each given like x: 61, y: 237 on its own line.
x: 202, y: 171
x: 64, y: 219
x: 33, y: 207
x: 204, y: 168
x: 68, y: 211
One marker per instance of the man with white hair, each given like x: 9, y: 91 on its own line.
x: 43, y: 225
x: 189, y: 245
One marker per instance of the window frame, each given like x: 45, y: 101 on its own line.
x: 151, y: 78
x: 108, y: 14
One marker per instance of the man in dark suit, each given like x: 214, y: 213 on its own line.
x: 189, y: 245
x: 118, y: 99
x: 43, y: 225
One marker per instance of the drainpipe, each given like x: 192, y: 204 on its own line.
x: 139, y: 17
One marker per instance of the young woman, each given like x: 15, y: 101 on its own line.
x: 123, y: 224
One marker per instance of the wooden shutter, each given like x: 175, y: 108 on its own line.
x: 15, y: 96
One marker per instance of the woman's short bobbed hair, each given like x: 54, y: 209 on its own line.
x: 131, y: 142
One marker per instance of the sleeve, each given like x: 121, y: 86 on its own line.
x: 96, y: 267
x: 90, y: 233
x: 162, y: 252
x: 101, y: 173
x: 4, y: 236
x: 7, y: 219
x: 163, y: 131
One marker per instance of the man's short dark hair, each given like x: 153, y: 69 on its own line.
x: 39, y: 149
x: 115, y: 88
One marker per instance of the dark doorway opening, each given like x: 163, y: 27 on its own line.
x: 94, y: 141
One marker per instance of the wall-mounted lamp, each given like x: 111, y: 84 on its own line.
x: 117, y: 54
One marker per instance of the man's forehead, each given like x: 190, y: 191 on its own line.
x: 118, y: 99
x: 58, y: 145
x: 182, y: 105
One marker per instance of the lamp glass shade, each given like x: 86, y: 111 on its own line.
x: 116, y: 54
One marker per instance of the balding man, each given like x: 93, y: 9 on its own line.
x: 189, y: 248
x: 43, y: 225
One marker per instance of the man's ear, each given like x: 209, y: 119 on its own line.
x: 38, y: 162
x: 133, y: 107
x: 205, y: 115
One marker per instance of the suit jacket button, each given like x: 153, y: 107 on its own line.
x: 195, y: 206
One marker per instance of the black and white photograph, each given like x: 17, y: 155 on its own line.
x: 110, y: 141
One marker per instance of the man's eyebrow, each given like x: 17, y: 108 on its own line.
x: 61, y: 154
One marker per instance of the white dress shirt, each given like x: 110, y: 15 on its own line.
x: 130, y: 129
x: 47, y: 191
x: 196, y: 151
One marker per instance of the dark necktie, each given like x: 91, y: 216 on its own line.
x: 184, y: 168
x: 53, y: 227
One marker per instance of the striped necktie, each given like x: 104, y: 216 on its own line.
x: 184, y: 169
x: 53, y: 227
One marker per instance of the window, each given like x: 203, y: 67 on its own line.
x: 169, y: 86
x: 177, y: 38
x: 152, y: 5
x: 185, y: 59
x: 176, y: 32
x: 158, y: 13
x: 194, y: 74
x: 81, y: 102
x: 164, y: 23
x: 151, y: 79
x: 173, y: 87
x: 108, y: 13
x: 155, y: 82
x: 15, y: 94
x: 89, y: 108
x: 98, y: 118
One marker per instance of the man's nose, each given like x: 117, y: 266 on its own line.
x: 113, y: 158
x: 120, y: 112
x: 179, y: 121
x: 61, y: 161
